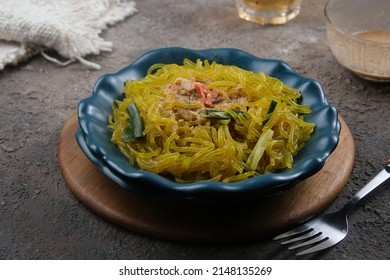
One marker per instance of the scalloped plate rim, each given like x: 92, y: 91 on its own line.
x: 270, y: 181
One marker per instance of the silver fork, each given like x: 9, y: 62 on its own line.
x: 327, y: 230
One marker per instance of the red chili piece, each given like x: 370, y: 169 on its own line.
x: 205, y: 94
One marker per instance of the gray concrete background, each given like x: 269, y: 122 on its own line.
x: 41, y: 219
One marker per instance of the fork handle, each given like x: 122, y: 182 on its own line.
x: 372, y: 185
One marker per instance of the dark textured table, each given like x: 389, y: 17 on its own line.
x: 40, y: 218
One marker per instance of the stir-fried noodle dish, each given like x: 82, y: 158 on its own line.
x: 207, y: 121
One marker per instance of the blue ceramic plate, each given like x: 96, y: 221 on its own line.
x: 94, y: 136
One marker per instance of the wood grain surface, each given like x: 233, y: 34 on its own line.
x: 203, y: 223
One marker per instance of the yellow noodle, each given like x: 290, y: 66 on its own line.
x: 178, y: 138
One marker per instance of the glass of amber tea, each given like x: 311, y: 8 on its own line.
x: 268, y: 11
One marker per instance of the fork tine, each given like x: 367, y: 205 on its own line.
x: 316, y: 239
x: 307, y: 235
x: 321, y: 246
x: 298, y: 230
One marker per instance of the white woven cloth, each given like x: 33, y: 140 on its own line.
x: 69, y: 27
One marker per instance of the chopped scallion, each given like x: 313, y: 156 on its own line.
x: 215, y: 114
x: 259, y: 149
x: 271, y: 109
x: 135, y: 127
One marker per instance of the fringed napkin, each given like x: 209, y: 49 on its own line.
x: 70, y: 27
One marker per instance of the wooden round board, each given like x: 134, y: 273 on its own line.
x: 204, y: 223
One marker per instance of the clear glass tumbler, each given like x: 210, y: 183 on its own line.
x: 268, y: 11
